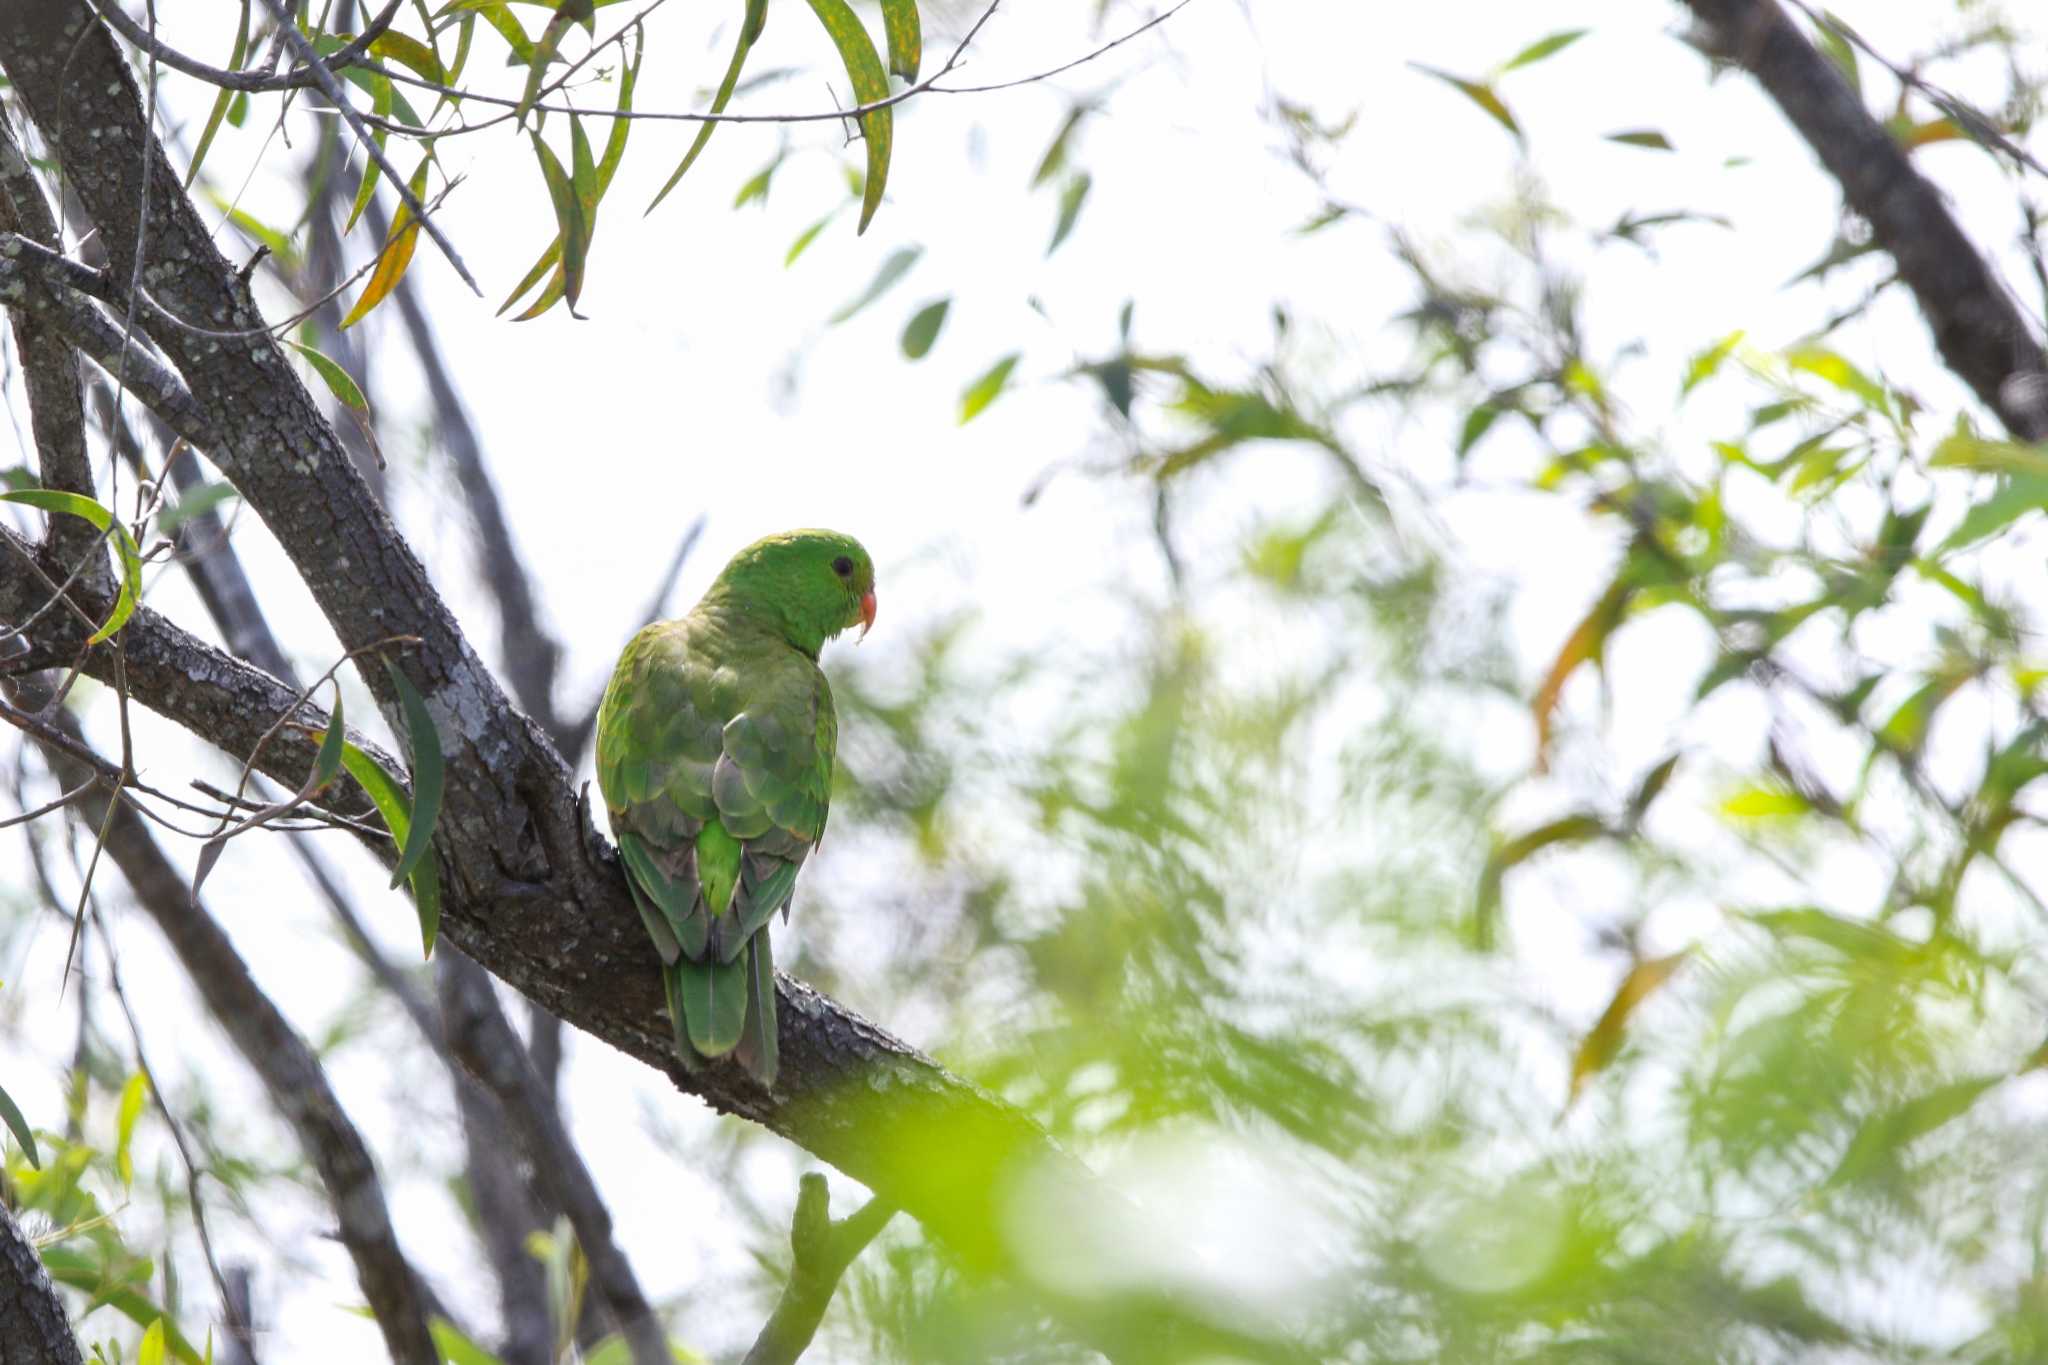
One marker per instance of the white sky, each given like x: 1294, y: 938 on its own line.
x: 704, y: 381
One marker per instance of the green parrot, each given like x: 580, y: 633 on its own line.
x: 714, y: 754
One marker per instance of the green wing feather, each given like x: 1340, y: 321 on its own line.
x: 714, y: 733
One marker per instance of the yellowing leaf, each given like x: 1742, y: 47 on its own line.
x: 1586, y: 643
x: 870, y: 83
x: 905, y: 37
x: 1479, y: 93
x: 1603, y: 1043
x: 984, y: 389
x: 397, y: 252
x: 1764, y: 803
x: 130, y: 1110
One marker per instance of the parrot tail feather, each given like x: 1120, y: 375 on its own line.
x: 672, y: 985
x: 760, y: 1045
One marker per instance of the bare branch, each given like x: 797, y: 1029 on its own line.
x: 489, y: 1050
x: 286, y: 1064
x: 248, y: 81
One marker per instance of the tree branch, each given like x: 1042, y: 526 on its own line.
x: 1977, y: 327
x: 822, y: 1250
x: 529, y: 891
x: 286, y: 1064
x: 32, y: 1320
x: 489, y: 1050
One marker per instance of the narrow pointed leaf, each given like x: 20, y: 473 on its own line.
x: 751, y: 24
x: 984, y: 390
x: 221, y: 101
x: 397, y: 252
x: 805, y: 238
x: 10, y: 1113
x: 1600, y: 1046
x: 1544, y: 47
x: 900, y: 28
x: 389, y: 798
x: 336, y: 378
x: 380, y: 105
x: 893, y: 269
x: 1071, y: 198
x: 427, y: 775
x: 870, y: 83
x: 923, y: 328
x: 1480, y: 94
x: 78, y: 505
x: 125, y: 1117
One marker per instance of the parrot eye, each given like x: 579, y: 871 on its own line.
x: 843, y: 567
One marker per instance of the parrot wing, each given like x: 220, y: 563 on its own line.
x: 699, y: 728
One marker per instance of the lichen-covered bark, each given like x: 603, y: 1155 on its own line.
x: 33, y: 1329
x: 531, y: 893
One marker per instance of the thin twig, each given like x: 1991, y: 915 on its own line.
x: 331, y: 88
x: 295, y: 79
x: 156, y: 1092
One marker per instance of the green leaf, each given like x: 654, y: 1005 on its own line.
x: 573, y: 226
x: 1072, y: 197
x: 751, y: 23
x: 805, y: 238
x: 389, y: 798
x: 923, y: 328
x: 221, y: 101
x: 427, y: 776
x: 1544, y: 47
x: 88, y: 1274
x: 984, y: 389
x: 457, y: 1349
x: 337, y: 379
x: 10, y: 1113
x: 130, y: 1110
x: 905, y: 37
x: 2021, y: 494
x: 893, y: 269
x: 408, y: 51
x: 870, y: 83
x: 77, y: 505
x: 1055, y: 158
x: 1962, y: 450
x: 757, y: 184
x: 194, y: 503
x: 1477, y: 423
x: 1642, y: 137
x: 397, y: 252
x: 1480, y: 94
x: 1708, y: 361
x: 327, y: 762
x: 151, y: 1350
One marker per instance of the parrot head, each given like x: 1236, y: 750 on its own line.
x: 812, y: 584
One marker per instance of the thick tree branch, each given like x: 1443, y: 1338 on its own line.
x: 33, y: 1327
x: 529, y: 891
x: 56, y: 403
x: 821, y: 1251
x: 287, y: 1065
x: 1977, y: 327
x: 489, y: 1050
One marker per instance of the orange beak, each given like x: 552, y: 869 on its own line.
x: 867, y: 615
